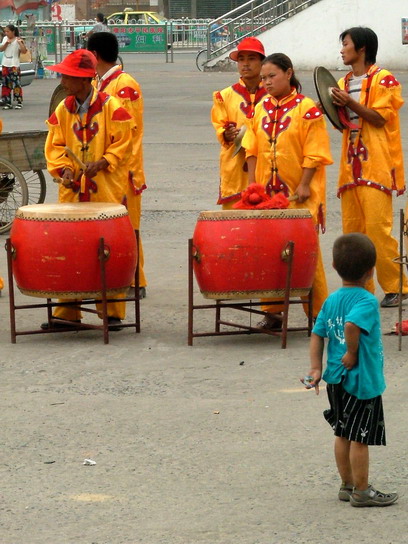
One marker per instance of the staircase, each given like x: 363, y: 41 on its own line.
x: 249, y: 19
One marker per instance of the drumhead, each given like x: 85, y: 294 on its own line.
x: 230, y: 215
x: 71, y: 211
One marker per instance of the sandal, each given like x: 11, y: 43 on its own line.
x: 345, y: 492
x: 270, y: 322
x: 372, y: 497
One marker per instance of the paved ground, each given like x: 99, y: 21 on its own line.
x: 215, y: 443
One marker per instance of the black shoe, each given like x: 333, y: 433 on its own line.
x: 270, y: 322
x: 115, y: 324
x: 391, y: 300
x: 142, y: 292
x: 63, y: 325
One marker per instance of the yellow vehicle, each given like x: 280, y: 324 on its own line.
x: 130, y: 17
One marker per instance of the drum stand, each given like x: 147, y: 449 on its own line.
x: 248, y: 307
x: 402, y: 260
x: 103, y: 300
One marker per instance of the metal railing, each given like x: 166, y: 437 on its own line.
x: 249, y: 19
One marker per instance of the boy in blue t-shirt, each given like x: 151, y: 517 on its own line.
x: 350, y: 319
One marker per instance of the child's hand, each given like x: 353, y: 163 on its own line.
x: 312, y: 380
x: 349, y: 360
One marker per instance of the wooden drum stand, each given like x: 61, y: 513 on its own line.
x: 248, y: 307
x: 102, y: 257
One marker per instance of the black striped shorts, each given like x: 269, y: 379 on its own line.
x: 355, y: 419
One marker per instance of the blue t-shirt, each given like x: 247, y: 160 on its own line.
x: 355, y: 305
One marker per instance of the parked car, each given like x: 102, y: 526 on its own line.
x: 27, y: 71
x: 129, y: 17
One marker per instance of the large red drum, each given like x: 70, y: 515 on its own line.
x: 55, y: 249
x: 239, y: 253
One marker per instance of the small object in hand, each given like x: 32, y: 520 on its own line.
x: 307, y: 382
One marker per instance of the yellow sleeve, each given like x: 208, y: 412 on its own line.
x: 386, y: 96
x: 249, y: 141
x: 316, y: 142
x: 219, y: 118
x: 120, y: 142
x: 54, y: 149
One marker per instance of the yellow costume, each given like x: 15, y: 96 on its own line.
x: 232, y: 105
x: 103, y: 132
x: 371, y: 168
x: 121, y: 85
x: 287, y: 136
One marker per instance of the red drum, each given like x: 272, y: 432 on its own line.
x: 55, y: 249
x: 238, y: 253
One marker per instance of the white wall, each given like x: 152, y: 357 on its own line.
x: 310, y: 38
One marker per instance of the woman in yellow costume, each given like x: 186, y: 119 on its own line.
x: 287, y: 149
x: 231, y: 107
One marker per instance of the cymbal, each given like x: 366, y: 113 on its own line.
x: 324, y: 82
x: 58, y: 95
x: 238, y: 140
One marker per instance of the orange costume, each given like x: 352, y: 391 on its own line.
x: 121, y: 85
x: 371, y: 169
x: 286, y: 136
x: 103, y: 131
x: 233, y: 105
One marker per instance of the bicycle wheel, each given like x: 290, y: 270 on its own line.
x: 13, y: 193
x: 36, y: 185
x: 119, y: 60
x: 201, y: 59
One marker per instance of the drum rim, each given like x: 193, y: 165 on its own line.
x: 287, y: 213
x: 72, y: 211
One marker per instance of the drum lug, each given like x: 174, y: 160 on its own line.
x: 105, y: 254
x: 196, y: 254
x: 13, y: 251
x: 287, y: 251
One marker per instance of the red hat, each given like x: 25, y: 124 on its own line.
x: 80, y: 63
x: 248, y: 44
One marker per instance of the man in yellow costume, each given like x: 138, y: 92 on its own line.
x: 98, y: 130
x: 231, y: 107
x: 112, y: 80
x: 371, y: 167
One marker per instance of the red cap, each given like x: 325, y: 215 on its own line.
x: 252, y: 45
x: 79, y: 63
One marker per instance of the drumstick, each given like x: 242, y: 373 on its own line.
x: 293, y: 197
x: 74, y: 157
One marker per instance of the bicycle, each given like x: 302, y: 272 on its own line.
x: 202, y: 55
x: 201, y: 59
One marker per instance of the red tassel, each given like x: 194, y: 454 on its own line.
x: 255, y: 198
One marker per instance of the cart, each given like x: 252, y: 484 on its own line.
x: 21, y: 174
